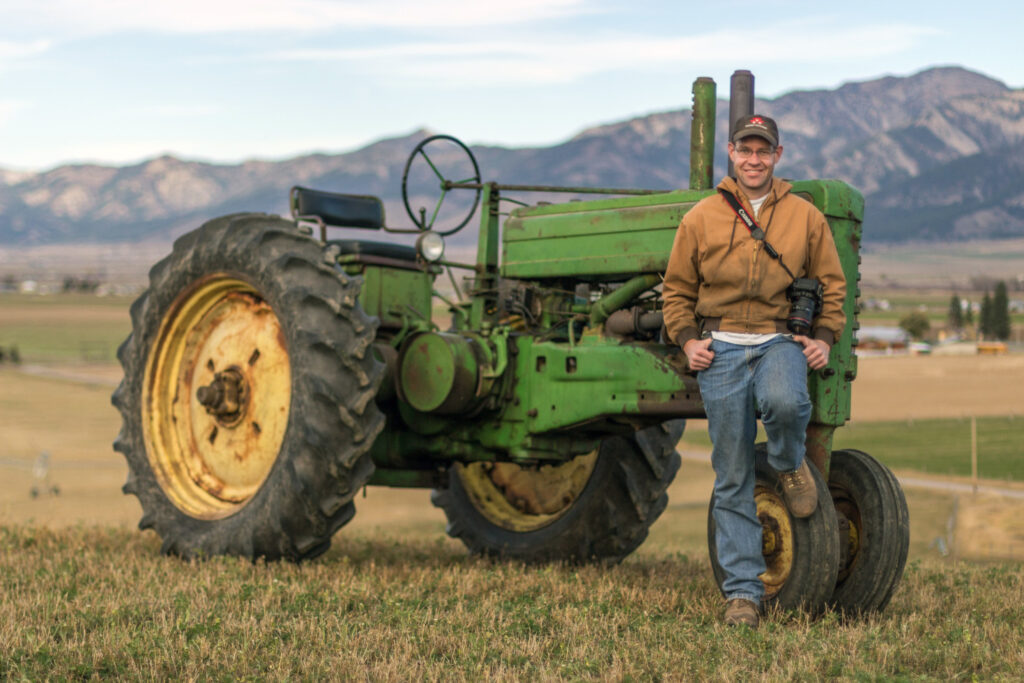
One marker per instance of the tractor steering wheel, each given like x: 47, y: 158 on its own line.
x: 421, y: 221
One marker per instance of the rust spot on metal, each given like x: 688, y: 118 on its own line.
x: 687, y: 405
x: 819, y: 446
x: 254, y: 357
x: 206, y: 479
x: 209, y: 365
x: 770, y: 531
x: 213, y: 435
x: 256, y: 427
x: 226, y: 397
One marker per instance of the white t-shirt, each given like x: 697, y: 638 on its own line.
x: 756, y: 204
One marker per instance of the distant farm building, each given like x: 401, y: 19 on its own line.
x: 881, y: 339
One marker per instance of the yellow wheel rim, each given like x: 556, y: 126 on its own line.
x: 524, y: 499
x: 846, y: 508
x: 776, y: 539
x: 222, y: 343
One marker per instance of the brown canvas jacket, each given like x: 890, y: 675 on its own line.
x: 717, y: 270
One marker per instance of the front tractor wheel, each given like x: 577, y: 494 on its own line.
x: 247, y: 399
x: 801, y: 555
x: 597, y: 506
x: 874, y: 531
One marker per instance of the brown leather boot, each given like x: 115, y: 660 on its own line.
x: 740, y: 611
x: 799, y: 490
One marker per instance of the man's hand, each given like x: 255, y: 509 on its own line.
x: 815, y: 351
x: 699, y: 354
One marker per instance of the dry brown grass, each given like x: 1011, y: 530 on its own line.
x: 989, y: 528
x: 916, y: 387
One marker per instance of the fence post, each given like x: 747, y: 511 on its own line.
x: 974, y: 453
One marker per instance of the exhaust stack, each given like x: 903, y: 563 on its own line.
x: 741, y: 101
x: 702, y: 135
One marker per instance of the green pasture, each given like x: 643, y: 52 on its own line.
x: 934, y: 304
x: 64, y: 327
x: 942, y: 446
x: 935, y: 446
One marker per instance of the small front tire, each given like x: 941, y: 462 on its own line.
x: 876, y: 525
x: 801, y: 555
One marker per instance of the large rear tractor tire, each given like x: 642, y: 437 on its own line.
x: 874, y: 532
x: 596, y: 507
x: 801, y: 555
x: 247, y: 399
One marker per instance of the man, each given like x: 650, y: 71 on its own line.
x: 725, y: 304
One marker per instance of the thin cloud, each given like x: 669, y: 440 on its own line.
x: 186, y: 110
x: 549, y: 61
x: 13, y: 50
x: 235, y: 16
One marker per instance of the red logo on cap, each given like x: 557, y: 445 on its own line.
x: 757, y: 120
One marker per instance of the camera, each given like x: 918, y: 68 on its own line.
x: 805, y: 296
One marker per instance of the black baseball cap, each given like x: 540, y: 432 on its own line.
x: 756, y: 124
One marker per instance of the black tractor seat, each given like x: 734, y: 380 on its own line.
x: 352, y: 211
x: 336, y: 209
x: 367, y: 248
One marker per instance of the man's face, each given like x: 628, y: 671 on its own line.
x: 754, y: 159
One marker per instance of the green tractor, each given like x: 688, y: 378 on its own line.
x: 272, y: 372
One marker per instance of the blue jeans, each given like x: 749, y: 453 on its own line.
x: 770, y: 378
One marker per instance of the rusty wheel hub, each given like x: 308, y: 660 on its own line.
x: 226, y: 397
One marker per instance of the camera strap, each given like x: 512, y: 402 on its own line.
x: 755, y: 230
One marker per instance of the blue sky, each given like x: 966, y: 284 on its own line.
x: 117, y: 81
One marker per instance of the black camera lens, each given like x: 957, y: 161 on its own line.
x: 805, y: 299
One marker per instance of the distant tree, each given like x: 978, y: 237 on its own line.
x: 956, y: 317
x: 985, y: 319
x: 969, y: 314
x: 1000, y: 312
x: 915, y: 324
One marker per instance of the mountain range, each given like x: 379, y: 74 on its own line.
x: 937, y: 155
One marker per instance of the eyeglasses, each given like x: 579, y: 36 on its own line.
x: 764, y: 154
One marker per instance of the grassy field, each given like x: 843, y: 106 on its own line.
x: 943, y: 446
x: 935, y: 446
x: 90, y: 602
x: 64, y: 327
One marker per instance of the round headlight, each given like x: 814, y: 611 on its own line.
x: 430, y: 246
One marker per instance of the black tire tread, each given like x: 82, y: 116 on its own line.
x: 333, y: 420
x: 609, y: 520
x: 885, y: 540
